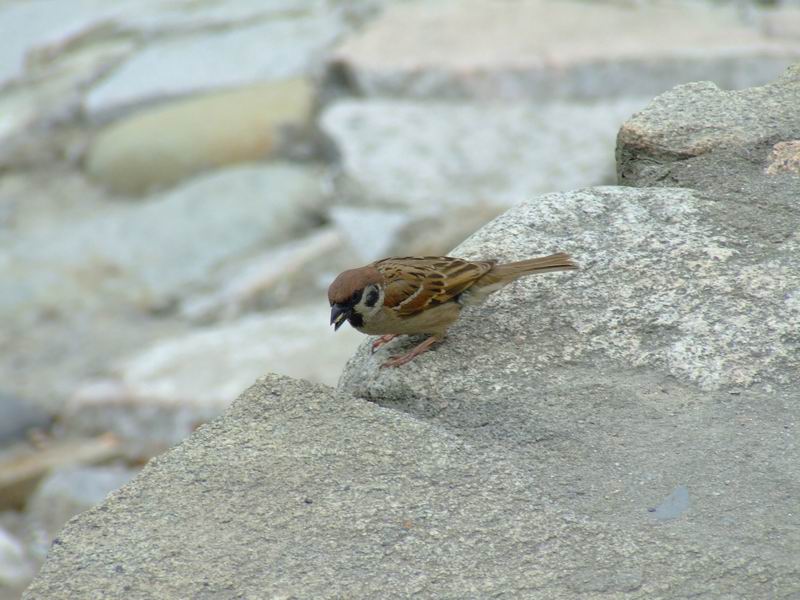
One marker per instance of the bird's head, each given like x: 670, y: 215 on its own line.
x: 355, y: 295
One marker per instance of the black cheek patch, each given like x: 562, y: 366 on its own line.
x: 355, y: 319
x: 372, y: 298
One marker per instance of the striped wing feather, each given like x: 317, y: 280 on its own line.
x: 412, y: 284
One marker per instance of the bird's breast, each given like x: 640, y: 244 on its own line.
x: 431, y: 320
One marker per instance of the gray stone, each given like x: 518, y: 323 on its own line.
x: 670, y: 359
x: 67, y: 492
x: 16, y: 569
x: 699, y: 118
x: 39, y: 31
x: 299, y: 492
x: 435, y: 154
x: 674, y: 505
x: 28, y: 26
x: 740, y: 148
x: 670, y: 282
x: 369, y: 231
x: 18, y: 417
x: 280, y: 271
x: 151, y: 254
x: 203, y: 63
x: 536, y: 49
x: 38, y: 123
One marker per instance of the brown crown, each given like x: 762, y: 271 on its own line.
x: 350, y: 281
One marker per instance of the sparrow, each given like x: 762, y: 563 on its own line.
x: 423, y: 295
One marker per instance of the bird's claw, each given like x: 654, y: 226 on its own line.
x: 412, y: 354
x: 384, y: 339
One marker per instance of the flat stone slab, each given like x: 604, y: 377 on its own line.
x: 48, y: 27
x: 536, y: 49
x: 423, y: 154
x: 299, y: 492
x: 655, y: 386
x: 212, y: 61
x: 153, y: 253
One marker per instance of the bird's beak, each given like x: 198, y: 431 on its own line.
x: 338, y: 315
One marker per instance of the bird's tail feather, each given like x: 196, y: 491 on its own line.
x: 544, y: 264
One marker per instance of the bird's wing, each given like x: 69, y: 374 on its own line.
x: 412, y: 284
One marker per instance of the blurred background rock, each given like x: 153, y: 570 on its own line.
x: 181, y: 179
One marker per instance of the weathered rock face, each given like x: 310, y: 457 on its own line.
x: 700, y: 119
x: 302, y: 492
x: 629, y: 428
x: 670, y: 283
x: 665, y: 369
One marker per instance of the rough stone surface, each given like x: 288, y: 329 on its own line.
x: 785, y: 158
x: 266, y: 51
x: 738, y: 148
x: 545, y: 50
x: 161, y: 146
x: 671, y: 281
x: 699, y: 118
x: 301, y: 492
x: 69, y: 491
x: 424, y: 154
x: 669, y: 360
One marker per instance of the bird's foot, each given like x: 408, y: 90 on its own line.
x: 409, y: 356
x: 384, y: 339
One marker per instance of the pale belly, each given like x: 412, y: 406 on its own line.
x: 433, y: 321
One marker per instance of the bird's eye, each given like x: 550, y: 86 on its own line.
x: 356, y: 297
x: 372, y: 298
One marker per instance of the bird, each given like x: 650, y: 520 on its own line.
x: 416, y: 295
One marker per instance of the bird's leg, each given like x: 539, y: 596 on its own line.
x: 416, y: 351
x: 384, y: 339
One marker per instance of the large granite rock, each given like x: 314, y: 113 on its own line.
x: 661, y: 144
x: 669, y: 361
x: 671, y: 283
x: 627, y: 429
x: 300, y: 492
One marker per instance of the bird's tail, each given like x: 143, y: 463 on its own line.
x: 544, y: 264
x: 500, y: 276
